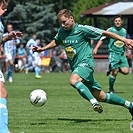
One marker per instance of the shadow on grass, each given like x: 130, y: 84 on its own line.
x: 91, y: 120
x: 77, y: 120
x: 39, y: 123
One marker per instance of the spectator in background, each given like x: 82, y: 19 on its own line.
x: 65, y: 65
x: 56, y: 61
x: 10, y: 52
x: 46, y: 59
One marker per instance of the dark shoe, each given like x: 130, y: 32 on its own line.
x: 111, y: 91
x: 98, y: 108
x: 131, y: 112
x: 109, y: 70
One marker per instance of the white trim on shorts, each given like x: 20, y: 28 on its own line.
x: 1, y: 77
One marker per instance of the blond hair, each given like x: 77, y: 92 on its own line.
x: 66, y: 12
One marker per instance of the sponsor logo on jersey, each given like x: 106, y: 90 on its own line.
x: 70, y: 52
x: 70, y: 41
x: 119, y: 44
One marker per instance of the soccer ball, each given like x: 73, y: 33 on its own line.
x: 38, y: 97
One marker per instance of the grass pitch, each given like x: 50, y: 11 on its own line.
x: 65, y: 110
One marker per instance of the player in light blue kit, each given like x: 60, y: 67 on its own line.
x: 29, y: 45
x: 37, y: 64
x: 10, y: 52
x: 3, y: 91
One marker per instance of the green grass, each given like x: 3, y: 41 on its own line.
x: 65, y: 110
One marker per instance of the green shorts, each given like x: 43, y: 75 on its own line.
x: 118, y: 60
x: 86, y: 73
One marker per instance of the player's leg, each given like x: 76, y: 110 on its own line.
x: 124, y: 70
x: 75, y: 81
x: 3, y: 106
x: 38, y: 64
x: 10, y: 71
x: 101, y: 96
x: 108, y: 70
x: 84, y: 72
x: 112, y: 79
x: 115, y: 60
x: 124, y: 65
x: 37, y: 72
x: 6, y: 65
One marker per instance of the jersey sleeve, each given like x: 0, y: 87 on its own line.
x: 92, y: 32
x: 103, y: 38
x: 57, y: 38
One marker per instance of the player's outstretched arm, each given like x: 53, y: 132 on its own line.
x: 51, y: 45
x: 128, y: 42
x: 99, y: 43
x: 11, y: 35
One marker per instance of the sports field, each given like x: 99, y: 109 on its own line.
x: 65, y: 111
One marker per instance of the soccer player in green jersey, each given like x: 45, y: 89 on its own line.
x: 116, y: 48
x: 76, y: 41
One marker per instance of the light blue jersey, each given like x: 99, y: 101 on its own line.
x: 1, y: 29
x: 30, y: 44
x: 10, y: 49
x: 10, y: 46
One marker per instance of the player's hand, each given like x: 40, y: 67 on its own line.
x: 94, y: 51
x: 129, y: 43
x: 36, y: 49
x: 15, y: 34
x: 3, y: 7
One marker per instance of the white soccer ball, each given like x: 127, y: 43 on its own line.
x: 38, y: 97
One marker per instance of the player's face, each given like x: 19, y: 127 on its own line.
x: 9, y: 28
x: 118, y: 22
x: 67, y: 22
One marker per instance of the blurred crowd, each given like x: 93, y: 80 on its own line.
x: 17, y: 57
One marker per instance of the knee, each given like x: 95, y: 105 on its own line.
x: 100, y: 96
x: 125, y: 72
x: 101, y: 99
x: 72, y: 81
x: 115, y: 72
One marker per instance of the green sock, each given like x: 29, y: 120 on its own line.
x: 116, y: 100
x: 85, y: 92
x: 111, y: 82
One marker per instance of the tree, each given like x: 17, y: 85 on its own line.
x: 82, y: 5
x: 32, y: 18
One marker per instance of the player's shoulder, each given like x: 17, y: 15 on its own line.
x: 111, y: 29
x: 123, y: 29
x: 80, y: 26
x: 86, y: 27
